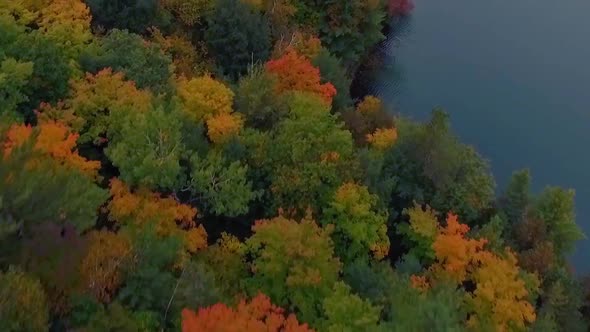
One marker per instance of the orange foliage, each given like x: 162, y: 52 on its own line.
x: 419, y: 282
x: 101, y: 268
x: 189, y: 60
x: 258, y: 315
x: 55, y: 140
x: 170, y: 216
x: 382, y: 139
x: 222, y: 127
x: 296, y: 73
x: 67, y: 22
x: 455, y: 252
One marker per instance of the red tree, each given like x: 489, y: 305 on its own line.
x: 400, y: 7
x: 258, y: 315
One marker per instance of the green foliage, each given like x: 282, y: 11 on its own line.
x: 420, y: 232
x: 149, y: 282
x: 432, y: 167
x: 148, y: 149
x: 196, y: 288
x: 221, y: 186
x: 46, y: 192
x: 51, y: 71
x: 293, y: 264
x: 14, y: 77
x: 238, y: 37
x: 142, y: 62
x: 493, y: 231
x: 134, y: 15
x: 23, y: 306
x: 92, y: 316
x: 359, y: 228
x: 555, y: 206
x: 333, y: 71
x: 257, y: 101
x: 348, y: 312
x: 306, y: 174
x: 516, y: 198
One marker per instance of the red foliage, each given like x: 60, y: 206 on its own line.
x: 259, y: 315
x: 296, y: 73
x: 400, y: 7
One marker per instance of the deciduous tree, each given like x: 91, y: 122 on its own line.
x: 23, y: 305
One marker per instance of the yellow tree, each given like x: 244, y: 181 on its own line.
x: 204, y: 97
x: 67, y: 22
x: 222, y: 127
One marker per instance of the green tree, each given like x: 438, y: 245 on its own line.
x: 14, y: 77
x: 516, y: 198
x: 221, y: 186
x: 142, y: 62
x: 555, y: 206
x: 148, y: 149
x: 359, y: 228
x: 133, y: 15
x: 430, y: 166
x: 257, y: 100
x: 309, y: 157
x: 293, y: 263
x: 333, y: 71
x: 238, y: 36
x: 348, y: 312
x: 23, y: 306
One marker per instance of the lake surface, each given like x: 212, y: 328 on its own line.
x: 515, y: 78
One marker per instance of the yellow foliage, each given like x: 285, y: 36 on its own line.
x: 500, y: 294
x: 67, y: 22
x: 203, y: 97
x: 224, y: 126
x: 382, y: 139
x: 423, y: 221
x: 369, y: 105
x: 188, y: 11
x: 189, y: 60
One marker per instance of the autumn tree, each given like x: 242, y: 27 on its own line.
x: 370, y: 116
x: 23, y: 305
x: 238, y: 37
x: 204, y: 97
x: 101, y: 269
x: 189, y: 59
x: 399, y: 7
x: 421, y: 231
x: 296, y: 73
x: 170, y: 217
x: 359, y: 227
x: 258, y: 315
x: 38, y: 188
x: 293, y: 262
x: 130, y: 54
x: 189, y: 12
x: 67, y: 23
x: 102, y: 101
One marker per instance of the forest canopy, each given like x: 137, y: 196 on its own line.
x: 201, y: 165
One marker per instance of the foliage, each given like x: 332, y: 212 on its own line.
x: 306, y: 174
x: 420, y: 232
x: 221, y: 186
x: 332, y: 71
x: 190, y: 12
x: 293, y: 263
x: 348, y: 312
x: 237, y: 37
x: 130, y: 54
x: 148, y: 149
x: 257, y: 101
x: 67, y: 23
x: 23, y: 305
x: 14, y: 76
x: 358, y: 227
x: 204, y: 97
x: 101, y: 269
x: 133, y: 15
x: 296, y: 73
x: 257, y: 315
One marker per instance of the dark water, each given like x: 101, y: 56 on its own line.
x: 515, y: 77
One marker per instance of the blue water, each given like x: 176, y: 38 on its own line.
x: 515, y: 77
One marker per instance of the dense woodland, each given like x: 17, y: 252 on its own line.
x: 200, y: 165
